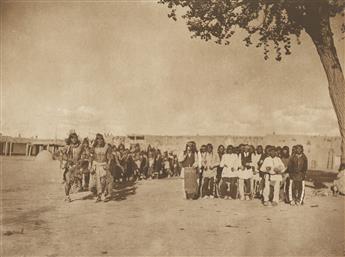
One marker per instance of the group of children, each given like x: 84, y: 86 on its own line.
x: 245, y: 172
x: 235, y: 172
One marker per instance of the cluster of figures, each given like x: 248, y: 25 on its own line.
x: 96, y: 165
x: 235, y: 172
x: 245, y: 172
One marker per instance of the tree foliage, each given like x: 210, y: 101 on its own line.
x: 267, y: 23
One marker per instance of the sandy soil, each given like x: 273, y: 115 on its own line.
x: 152, y: 218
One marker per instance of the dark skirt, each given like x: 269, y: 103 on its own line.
x: 190, y: 181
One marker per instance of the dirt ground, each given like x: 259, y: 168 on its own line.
x: 152, y: 218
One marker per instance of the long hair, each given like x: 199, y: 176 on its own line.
x: 69, y: 139
x: 85, y: 141
x: 190, y: 144
x: 287, y: 155
x: 97, y: 137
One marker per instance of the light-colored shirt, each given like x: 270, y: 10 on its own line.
x: 273, y: 163
x: 255, y: 160
x: 211, y: 161
x: 231, y: 163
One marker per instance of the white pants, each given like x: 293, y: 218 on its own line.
x: 266, y: 192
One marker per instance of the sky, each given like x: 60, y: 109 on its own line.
x: 124, y: 67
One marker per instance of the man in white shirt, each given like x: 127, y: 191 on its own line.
x: 273, y: 167
x: 230, y: 163
x: 256, y: 179
x: 209, y: 172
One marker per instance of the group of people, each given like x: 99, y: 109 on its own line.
x: 235, y: 172
x: 96, y: 166
x: 245, y: 172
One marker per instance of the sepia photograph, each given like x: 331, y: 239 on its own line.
x: 172, y: 128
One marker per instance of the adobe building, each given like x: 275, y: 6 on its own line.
x: 10, y: 146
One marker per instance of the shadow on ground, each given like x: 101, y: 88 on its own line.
x: 120, y: 191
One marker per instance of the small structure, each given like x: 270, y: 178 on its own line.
x: 28, y: 146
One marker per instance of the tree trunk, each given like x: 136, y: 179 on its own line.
x: 323, y: 40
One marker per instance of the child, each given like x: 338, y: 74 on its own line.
x: 298, y: 166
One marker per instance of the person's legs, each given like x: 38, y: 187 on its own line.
x: 233, y: 188
x: 86, y: 180
x: 241, y: 188
x: 252, y: 187
x: 109, y: 186
x: 68, y: 186
x: 64, y: 174
x: 266, y: 189
x: 223, y: 187
x: 100, y: 185
x: 247, y: 187
x: 286, y: 190
x: 290, y: 192
x: 276, y: 192
x: 205, y: 187
x: 300, y: 192
x: 211, y: 187
x: 215, y: 190
x: 257, y: 188
x: 294, y: 190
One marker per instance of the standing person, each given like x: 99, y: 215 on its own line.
x: 220, y: 152
x: 210, y: 172
x: 285, y: 157
x: 264, y: 155
x: 136, y: 161
x: 202, y: 163
x: 166, y: 165
x: 85, y: 163
x: 100, y: 163
x: 272, y: 167
x: 130, y: 165
x: 115, y: 167
x: 71, y: 155
x: 190, y: 163
x: 245, y: 174
x: 158, y: 164
x: 298, y: 167
x: 144, y: 165
x: 256, y: 179
x: 122, y: 161
x: 230, y: 163
x: 176, y: 166
x: 151, y: 161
